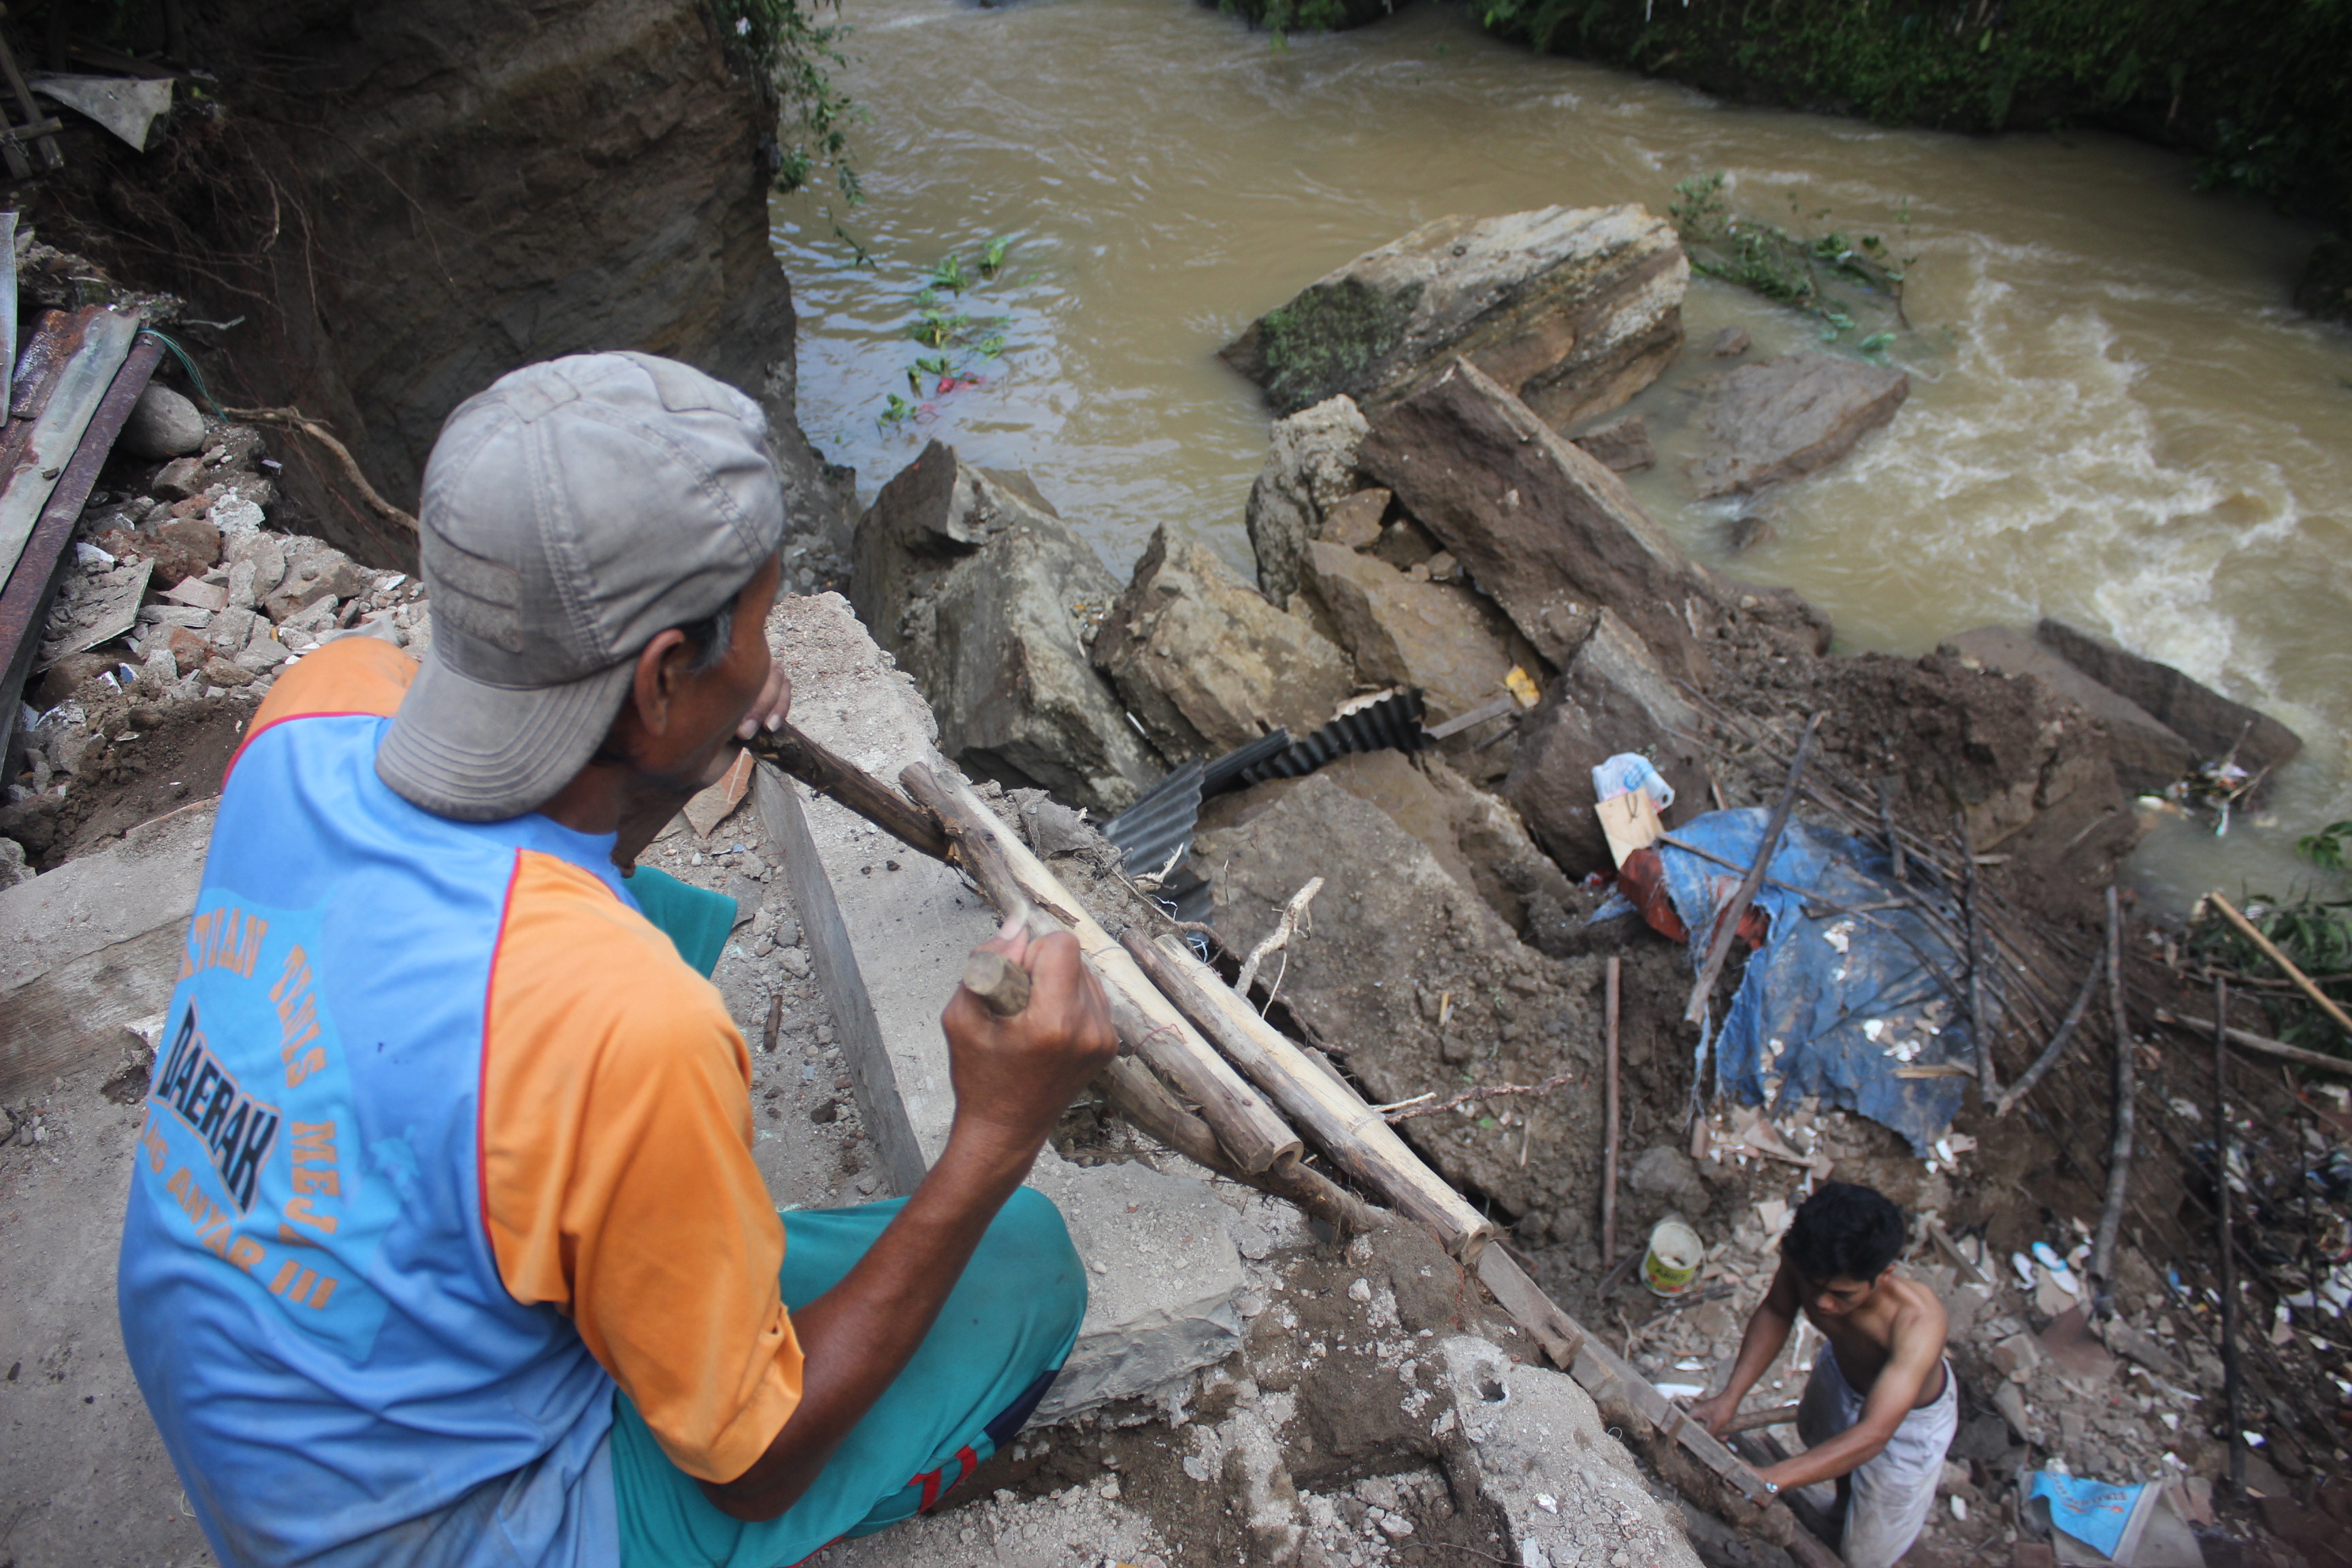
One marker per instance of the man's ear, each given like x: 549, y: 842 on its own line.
x: 661, y: 670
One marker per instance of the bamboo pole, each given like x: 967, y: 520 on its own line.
x: 1609, y: 1114
x: 2303, y: 982
x: 2119, y: 1157
x: 1351, y: 1132
x: 1149, y: 1025
x: 1726, y: 923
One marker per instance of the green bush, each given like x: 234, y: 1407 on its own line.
x: 2257, y: 91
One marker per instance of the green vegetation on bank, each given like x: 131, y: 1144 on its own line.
x: 791, y: 50
x: 1844, y: 281
x: 2256, y: 90
x: 2313, y: 929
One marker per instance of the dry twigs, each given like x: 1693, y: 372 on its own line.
x: 295, y: 419
x: 1283, y: 930
x: 1467, y: 1095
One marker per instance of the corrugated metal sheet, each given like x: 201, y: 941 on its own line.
x: 1390, y: 722
x: 1159, y: 827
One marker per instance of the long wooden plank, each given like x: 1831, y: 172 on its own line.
x: 75, y: 1017
x: 1325, y: 1109
x: 1605, y: 1375
x: 1148, y: 1023
x: 872, y: 1081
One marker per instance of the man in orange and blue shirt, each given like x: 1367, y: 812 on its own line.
x: 444, y: 1242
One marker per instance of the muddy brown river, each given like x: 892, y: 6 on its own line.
x: 2115, y: 419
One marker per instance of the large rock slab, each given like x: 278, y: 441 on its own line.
x: 1612, y: 698
x: 1574, y: 308
x: 1780, y: 419
x: 1310, y: 469
x: 1549, y: 533
x: 1532, y: 1445
x: 2149, y: 754
x: 987, y: 599
x: 1440, y: 636
x: 1408, y: 974
x: 1203, y: 661
x: 2209, y: 721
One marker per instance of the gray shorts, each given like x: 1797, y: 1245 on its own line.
x: 1887, y: 1498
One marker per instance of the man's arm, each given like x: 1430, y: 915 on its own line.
x: 1767, y: 1331
x: 1013, y: 1076
x: 1916, y: 1352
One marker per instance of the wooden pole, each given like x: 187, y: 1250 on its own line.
x: 2233, y: 1397
x: 1609, y: 1114
x: 2119, y: 1156
x: 1326, y: 1109
x: 1726, y: 923
x: 1979, y: 1021
x: 2246, y: 1041
x: 2303, y: 982
x: 1149, y: 1025
x: 1606, y: 1376
x: 853, y: 786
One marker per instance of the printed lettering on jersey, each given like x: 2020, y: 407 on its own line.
x: 252, y: 1132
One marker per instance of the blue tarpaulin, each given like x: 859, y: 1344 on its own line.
x: 1834, y: 1003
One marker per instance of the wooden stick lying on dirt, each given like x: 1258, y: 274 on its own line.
x: 2058, y: 1042
x: 2263, y: 1044
x: 1149, y: 1025
x: 1330, y: 1112
x: 1726, y: 922
x: 1603, y: 1374
x: 2303, y: 982
x: 1285, y: 929
x: 851, y: 785
x: 2119, y: 1156
x: 1609, y: 1123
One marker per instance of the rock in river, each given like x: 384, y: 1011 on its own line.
x: 1574, y: 308
x: 987, y: 600
x: 1780, y: 419
x: 1541, y: 525
x: 1202, y: 659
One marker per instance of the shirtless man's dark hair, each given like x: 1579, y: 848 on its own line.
x: 1844, y: 1232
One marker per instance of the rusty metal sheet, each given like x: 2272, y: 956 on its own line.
x: 54, y: 339
x: 7, y: 307
x: 25, y: 601
x: 57, y: 435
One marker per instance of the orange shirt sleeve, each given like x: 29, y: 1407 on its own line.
x: 616, y: 1173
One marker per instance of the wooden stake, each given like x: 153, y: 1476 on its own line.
x: 1609, y: 1115
x: 1980, y: 1019
x: 1149, y: 1025
x: 2233, y: 1395
x: 2119, y: 1156
x: 1358, y: 1141
x: 2303, y: 982
x: 1726, y: 923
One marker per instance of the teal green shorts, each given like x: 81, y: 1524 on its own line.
x: 1006, y: 1329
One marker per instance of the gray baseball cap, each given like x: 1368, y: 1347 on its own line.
x: 572, y: 513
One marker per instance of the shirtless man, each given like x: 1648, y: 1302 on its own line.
x: 1880, y: 1407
